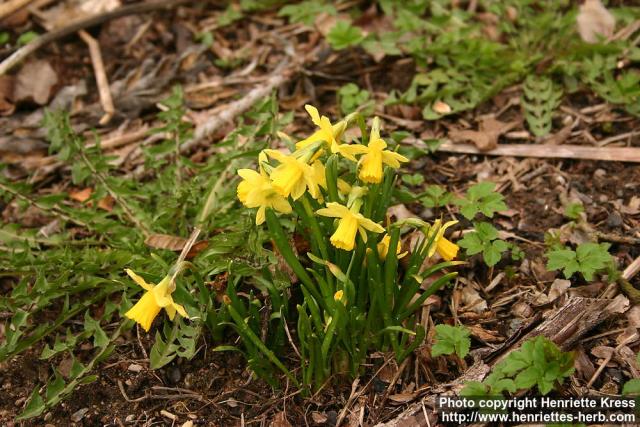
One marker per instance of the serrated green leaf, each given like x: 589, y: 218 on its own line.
x: 34, y: 408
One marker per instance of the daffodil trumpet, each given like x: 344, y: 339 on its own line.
x: 155, y: 298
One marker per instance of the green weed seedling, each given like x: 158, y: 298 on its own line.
x: 539, y: 363
x: 307, y: 11
x: 435, y: 196
x: 450, y: 340
x: 344, y: 35
x: 481, y: 199
x: 587, y: 259
x: 352, y: 98
x: 484, y: 239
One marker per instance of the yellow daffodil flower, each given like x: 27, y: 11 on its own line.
x: 445, y: 248
x: 257, y: 191
x: 331, y: 135
x: 383, y: 248
x: 293, y: 176
x: 338, y: 295
x: 376, y: 155
x: 154, y: 299
x: 350, y: 222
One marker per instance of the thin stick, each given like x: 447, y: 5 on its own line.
x: 613, y: 154
x: 632, y: 269
x: 101, y: 77
x: 19, y: 55
x: 277, y: 78
x: 12, y: 6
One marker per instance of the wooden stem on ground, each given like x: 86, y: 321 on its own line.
x: 101, y: 77
x: 616, y: 154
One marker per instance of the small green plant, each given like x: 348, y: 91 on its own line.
x: 26, y: 38
x: 435, y: 196
x: 587, y: 259
x: 307, y: 11
x: 538, y: 363
x: 413, y: 180
x: 450, y: 340
x: 205, y: 38
x: 573, y: 211
x: 350, y: 97
x: 540, y: 99
x: 4, y: 37
x: 344, y: 35
x: 484, y: 239
x: 481, y: 198
x: 632, y: 387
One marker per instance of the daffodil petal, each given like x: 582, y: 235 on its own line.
x: 139, y: 280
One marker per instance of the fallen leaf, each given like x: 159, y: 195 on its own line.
x: 280, y: 420
x: 619, y: 304
x: 633, y: 315
x: 472, y: 300
x: 81, y: 195
x: 319, y: 418
x: 633, y: 208
x: 484, y: 335
x: 628, y: 336
x: 400, y: 212
x: 602, y: 351
x: 35, y: 82
x: 558, y: 288
x: 594, y: 21
x: 583, y: 364
x: 441, y: 107
x: 107, y: 203
x: 7, y: 85
x: 165, y: 241
x: 486, y: 138
x: 401, y: 398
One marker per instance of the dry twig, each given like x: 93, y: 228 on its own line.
x: 101, y: 77
x: 615, y: 154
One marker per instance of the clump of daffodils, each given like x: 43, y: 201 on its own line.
x: 283, y: 178
x: 357, y: 296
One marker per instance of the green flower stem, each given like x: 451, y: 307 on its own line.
x: 315, y: 228
x: 282, y: 243
x: 246, y: 330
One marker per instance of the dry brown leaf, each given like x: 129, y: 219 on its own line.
x: 633, y: 315
x: 441, y: 107
x: 7, y: 85
x: 35, y: 81
x: 583, y: 364
x: 472, y: 300
x: 280, y: 420
x: 107, y: 203
x: 165, y: 241
x: 319, y: 418
x: 558, y: 287
x: 633, y: 208
x: 400, y: 212
x: 81, y: 195
x: 595, y: 21
x: 486, y: 138
x: 619, y: 304
x: 602, y: 351
x: 628, y: 336
x: 401, y: 398
x: 484, y: 335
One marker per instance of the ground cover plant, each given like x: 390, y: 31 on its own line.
x: 305, y: 213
